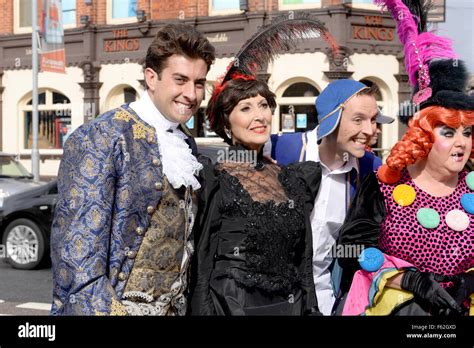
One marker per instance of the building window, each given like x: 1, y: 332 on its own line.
x: 129, y: 95
x: 25, y: 14
x: 223, y: 7
x: 119, y: 95
x: 23, y: 20
x: 54, y: 116
x: 298, y: 4
x: 124, y: 9
x: 296, y: 108
x: 301, y: 89
x: 69, y: 12
x: 368, y: 4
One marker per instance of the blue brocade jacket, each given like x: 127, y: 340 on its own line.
x: 110, y: 182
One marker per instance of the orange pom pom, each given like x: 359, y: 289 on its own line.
x: 388, y: 175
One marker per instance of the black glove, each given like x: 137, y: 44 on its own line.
x: 424, y: 286
x: 463, y: 286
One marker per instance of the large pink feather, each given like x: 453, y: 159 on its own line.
x: 429, y: 45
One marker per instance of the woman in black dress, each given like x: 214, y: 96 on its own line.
x: 252, y: 231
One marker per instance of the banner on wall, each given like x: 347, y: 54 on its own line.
x: 52, y: 51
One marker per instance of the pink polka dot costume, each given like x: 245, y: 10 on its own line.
x: 426, y: 241
x: 398, y: 220
x: 440, y: 250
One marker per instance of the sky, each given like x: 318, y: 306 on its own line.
x: 459, y: 26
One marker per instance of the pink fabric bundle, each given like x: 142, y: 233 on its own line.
x: 358, y: 297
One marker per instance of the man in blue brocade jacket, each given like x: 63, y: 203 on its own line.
x: 347, y: 117
x: 120, y: 240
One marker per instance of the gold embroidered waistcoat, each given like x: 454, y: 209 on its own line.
x: 158, y: 278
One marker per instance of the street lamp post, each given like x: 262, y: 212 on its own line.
x: 34, y: 57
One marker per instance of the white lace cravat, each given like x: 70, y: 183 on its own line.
x: 179, y: 164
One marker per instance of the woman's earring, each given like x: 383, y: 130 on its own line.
x: 228, y: 133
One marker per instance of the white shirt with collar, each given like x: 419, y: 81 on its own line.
x: 179, y: 164
x: 327, y: 216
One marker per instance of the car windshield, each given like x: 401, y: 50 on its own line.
x: 9, y: 168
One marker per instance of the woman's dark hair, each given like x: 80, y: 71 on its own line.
x: 220, y: 107
x: 180, y: 39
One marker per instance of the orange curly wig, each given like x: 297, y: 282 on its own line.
x: 419, y: 138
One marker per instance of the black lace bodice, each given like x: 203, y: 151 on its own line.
x: 253, y: 239
x: 273, y: 230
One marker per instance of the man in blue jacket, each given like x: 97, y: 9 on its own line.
x: 347, y: 117
x: 120, y: 240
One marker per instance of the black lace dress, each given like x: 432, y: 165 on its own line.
x: 253, y: 240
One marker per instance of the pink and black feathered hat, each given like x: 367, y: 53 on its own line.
x: 435, y: 72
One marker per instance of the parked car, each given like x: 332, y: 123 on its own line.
x: 26, y: 213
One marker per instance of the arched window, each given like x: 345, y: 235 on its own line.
x: 301, y: 89
x: 119, y: 95
x: 297, y: 110
x: 54, y: 120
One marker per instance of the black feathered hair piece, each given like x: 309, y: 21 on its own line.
x: 281, y: 35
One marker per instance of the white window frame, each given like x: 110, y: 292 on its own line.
x: 111, y: 20
x: 213, y: 12
x: 48, y: 105
x: 16, y: 20
x: 283, y: 7
x: 72, y: 25
x: 364, y: 6
x: 27, y: 30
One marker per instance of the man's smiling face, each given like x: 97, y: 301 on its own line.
x: 178, y: 90
x: 357, y: 125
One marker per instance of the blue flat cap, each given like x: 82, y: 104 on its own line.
x: 329, y: 104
